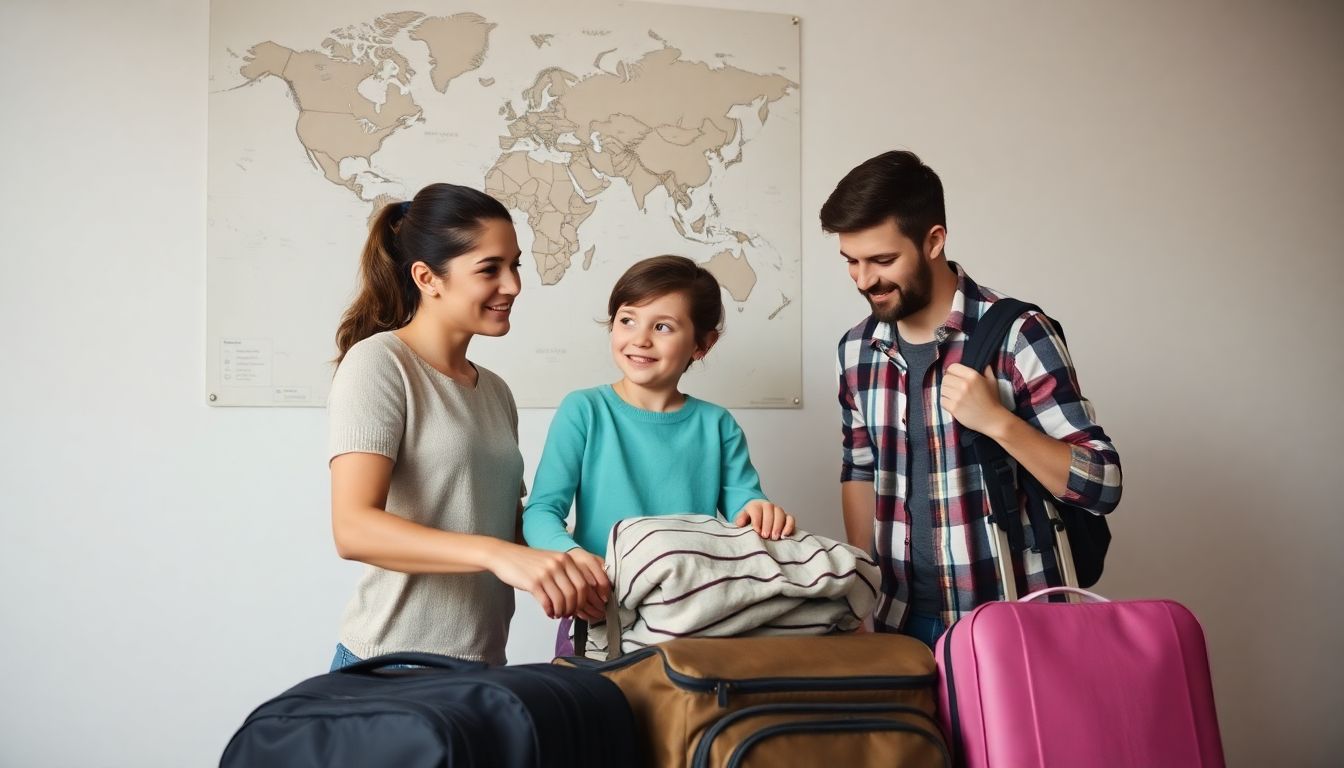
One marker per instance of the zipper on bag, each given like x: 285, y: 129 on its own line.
x: 706, y: 743
x: 721, y: 688
x: 831, y: 726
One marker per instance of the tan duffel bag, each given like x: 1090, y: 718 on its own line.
x: 840, y: 700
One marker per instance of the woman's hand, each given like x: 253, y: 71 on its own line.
x: 592, y: 566
x: 554, y: 579
x: 768, y: 520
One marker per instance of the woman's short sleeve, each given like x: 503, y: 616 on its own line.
x: 366, y: 409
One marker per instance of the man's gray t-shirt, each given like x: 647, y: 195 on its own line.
x: 924, y: 582
x: 456, y: 467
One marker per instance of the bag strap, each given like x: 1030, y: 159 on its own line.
x: 613, y: 599
x: 981, y: 350
x: 614, y: 650
x: 580, y: 637
x: 613, y: 614
x: 991, y: 331
x: 613, y: 632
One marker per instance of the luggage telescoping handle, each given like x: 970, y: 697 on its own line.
x: 1086, y: 596
x: 410, y: 658
x: 1004, y: 559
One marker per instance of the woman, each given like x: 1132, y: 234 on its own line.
x: 426, y: 475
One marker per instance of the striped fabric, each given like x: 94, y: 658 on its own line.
x: 696, y: 575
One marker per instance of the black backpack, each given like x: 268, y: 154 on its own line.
x: 1089, y: 536
x: 443, y: 712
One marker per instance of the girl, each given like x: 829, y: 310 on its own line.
x: 640, y: 447
x: 426, y: 474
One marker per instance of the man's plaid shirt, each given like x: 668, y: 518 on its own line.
x: 1036, y: 381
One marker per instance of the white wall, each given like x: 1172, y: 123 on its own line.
x: 1165, y: 178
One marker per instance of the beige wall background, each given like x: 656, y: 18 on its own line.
x: 1167, y: 179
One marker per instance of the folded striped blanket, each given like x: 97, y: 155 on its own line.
x: 699, y: 576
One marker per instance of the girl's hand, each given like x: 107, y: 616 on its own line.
x: 592, y: 566
x: 553, y: 578
x: 768, y: 520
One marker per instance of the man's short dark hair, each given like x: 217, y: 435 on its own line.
x: 894, y: 184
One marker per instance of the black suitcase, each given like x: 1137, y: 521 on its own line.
x: 443, y: 712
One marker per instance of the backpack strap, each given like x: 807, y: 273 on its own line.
x: 981, y: 350
x: 991, y: 331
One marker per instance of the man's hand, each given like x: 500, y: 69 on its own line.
x: 768, y: 520
x: 973, y: 399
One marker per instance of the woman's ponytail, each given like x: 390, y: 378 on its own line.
x: 382, y: 303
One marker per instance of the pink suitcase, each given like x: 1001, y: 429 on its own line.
x: 1086, y: 684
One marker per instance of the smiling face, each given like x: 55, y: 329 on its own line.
x: 890, y: 270
x: 476, y: 295
x: 654, y: 342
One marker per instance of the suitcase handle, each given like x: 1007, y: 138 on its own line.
x: 413, y: 659
x: 1083, y: 593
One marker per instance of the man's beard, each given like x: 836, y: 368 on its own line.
x: 909, y: 299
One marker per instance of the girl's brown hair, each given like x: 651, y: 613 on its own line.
x: 651, y: 278
x: 441, y: 223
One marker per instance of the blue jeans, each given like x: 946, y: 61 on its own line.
x: 344, y: 658
x: 924, y: 627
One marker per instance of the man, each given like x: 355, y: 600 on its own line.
x: 909, y: 490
